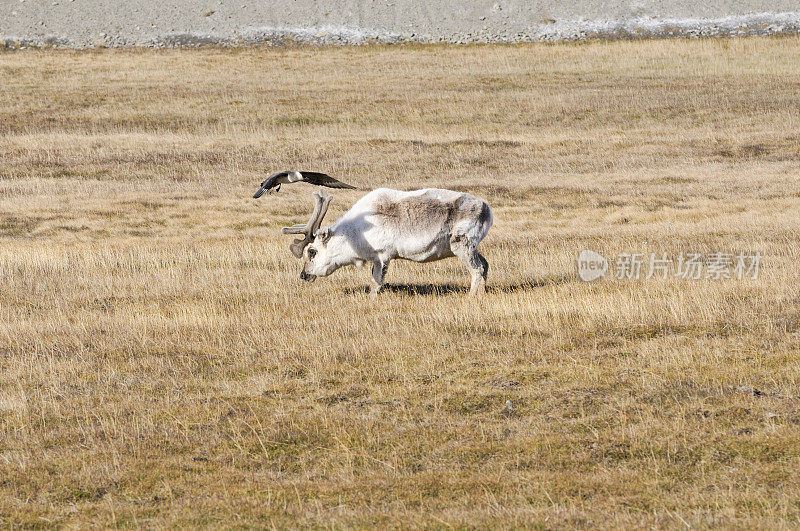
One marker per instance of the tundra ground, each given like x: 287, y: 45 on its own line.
x: 161, y: 363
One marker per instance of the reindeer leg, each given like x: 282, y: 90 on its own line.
x: 378, y: 273
x: 475, y: 262
x: 485, y: 265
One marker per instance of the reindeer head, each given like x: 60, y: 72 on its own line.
x: 312, y: 247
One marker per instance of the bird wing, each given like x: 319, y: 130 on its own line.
x: 271, y: 182
x: 322, y: 179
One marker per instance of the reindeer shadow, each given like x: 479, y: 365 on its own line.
x: 531, y: 284
x: 440, y: 290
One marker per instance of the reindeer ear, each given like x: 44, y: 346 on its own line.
x: 324, y: 234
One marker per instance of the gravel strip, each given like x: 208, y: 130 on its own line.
x: 147, y: 23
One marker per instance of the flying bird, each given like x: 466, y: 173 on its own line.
x: 275, y: 181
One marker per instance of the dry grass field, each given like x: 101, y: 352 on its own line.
x: 161, y: 364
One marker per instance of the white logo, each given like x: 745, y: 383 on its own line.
x: 591, y: 265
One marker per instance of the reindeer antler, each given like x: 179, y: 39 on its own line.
x: 321, y: 202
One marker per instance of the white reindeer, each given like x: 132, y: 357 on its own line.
x: 423, y: 226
